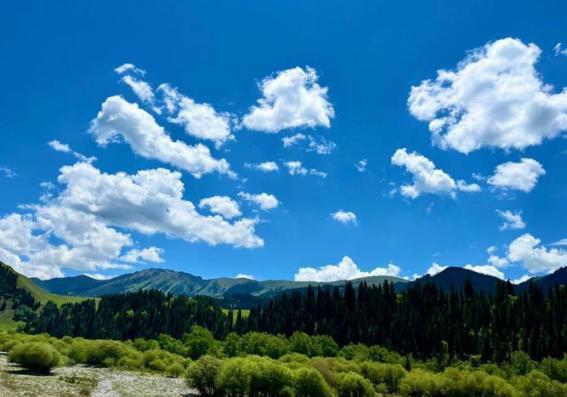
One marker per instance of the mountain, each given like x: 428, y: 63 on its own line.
x: 68, y: 285
x: 181, y: 283
x: 558, y: 277
x: 456, y: 277
x: 244, y: 292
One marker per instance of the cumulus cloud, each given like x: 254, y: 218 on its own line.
x: 517, y: 176
x: 560, y: 243
x: 222, y: 205
x: 150, y: 201
x: 535, y: 258
x: 512, y: 220
x: 494, y: 98
x: 521, y: 280
x: 151, y: 254
x: 345, y: 270
x: 486, y: 269
x: 361, y: 165
x: 200, y: 120
x: 266, y: 166
x: 264, y: 200
x: 316, y: 172
x: 344, y: 217
x: 426, y: 177
x: 119, y: 118
x: 292, y: 98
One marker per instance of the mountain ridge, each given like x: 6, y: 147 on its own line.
x: 183, y: 283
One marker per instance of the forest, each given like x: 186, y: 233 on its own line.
x: 422, y: 321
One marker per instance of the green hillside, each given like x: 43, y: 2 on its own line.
x: 17, y: 290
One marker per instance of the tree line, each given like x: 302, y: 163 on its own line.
x: 422, y: 321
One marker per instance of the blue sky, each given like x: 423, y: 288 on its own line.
x: 241, y: 77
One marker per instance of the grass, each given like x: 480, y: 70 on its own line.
x: 42, y: 296
x: 7, y: 322
x: 245, y: 313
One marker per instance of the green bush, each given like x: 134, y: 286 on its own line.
x: 36, y: 356
x: 388, y: 374
x: 235, y: 376
x: 271, y: 378
x: 537, y: 384
x: 203, y: 373
x: 353, y: 385
x: 199, y: 341
x: 556, y: 369
x: 310, y: 383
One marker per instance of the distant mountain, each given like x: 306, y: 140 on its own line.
x: 244, y: 292
x: 68, y: 285
x: 456, y: 277
x: 181, y: 283
x: 559, y: 277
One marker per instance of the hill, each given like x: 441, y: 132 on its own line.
x: 456, y: 277
x: 181, y: 283
x: 16, y: 289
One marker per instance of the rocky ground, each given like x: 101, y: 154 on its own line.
x: 81, y: 381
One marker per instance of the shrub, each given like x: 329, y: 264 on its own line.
x: 263, y: 344
x: 353, y: 385
x: 310, y: 383
x: 202, y: 375
x: 235, y: 375
x: 271, y: 378
x: 199, y: 342
x: 387, y: 374
x: 326, y: 345
x: 36, y: 356
x: 556, y: 369
x: 537, y: 384
x: 300, y: 342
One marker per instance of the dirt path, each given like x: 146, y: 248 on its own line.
x: 104, y: 388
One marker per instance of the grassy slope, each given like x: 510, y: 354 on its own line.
x: 42, y: 296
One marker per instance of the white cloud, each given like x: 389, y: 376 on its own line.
x: 200, y: 120
x: 322, y: 146
x: 7, y: 172
x: 521, y: 280
x: 119, y: 118
x: 59, y: 147
x: 345, y: 270
x: 318, y: 173
x: 361, y: 165
x: 266, y: 166
x: 559, y: 50
x: 65, y: 148
x: 247, y: 276
x: 142, y: 89
x: 98, y: 276
x: 291, y: 99
x: 264, y: 200
x: 435, y: 268
x: 517, y: 176
x: 426, y: 177
x: 77, y: 229
x: 222, y: 205
x: 494, y: 98
x: 535, y: 258
x: 486, y: 269
x: 129, y: 67
x: 151, y: 254
x: 292, y: 140
x: 344, y: 217
x: 512, y: 220
x: 560, y: 243
x: 150, y: 201
x: 296, y: 168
